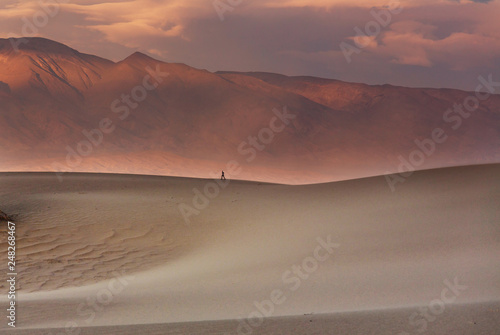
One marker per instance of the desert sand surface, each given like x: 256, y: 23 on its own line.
x: 98, y: 250
x: 457, y: 320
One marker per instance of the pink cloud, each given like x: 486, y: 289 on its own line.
x: 414, y: 43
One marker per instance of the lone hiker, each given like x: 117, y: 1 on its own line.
x: 222, y: 176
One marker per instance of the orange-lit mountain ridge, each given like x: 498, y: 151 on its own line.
x: 195, y: 121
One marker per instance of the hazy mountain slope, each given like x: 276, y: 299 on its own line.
x: 196, y: 121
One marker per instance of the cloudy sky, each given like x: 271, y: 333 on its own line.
x: 431, y: 43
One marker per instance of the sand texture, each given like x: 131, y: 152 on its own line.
x: 396, y: 251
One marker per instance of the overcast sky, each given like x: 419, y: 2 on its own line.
x: 430, y: 43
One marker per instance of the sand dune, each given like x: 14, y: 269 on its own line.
x: 396, y: 249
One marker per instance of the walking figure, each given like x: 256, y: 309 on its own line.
x: 222, y: 176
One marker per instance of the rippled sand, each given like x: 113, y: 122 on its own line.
x: 81, y: 230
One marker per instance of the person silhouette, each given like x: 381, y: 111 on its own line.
x: 222, y: 176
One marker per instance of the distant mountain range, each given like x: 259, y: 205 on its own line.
x: 163, y: 118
